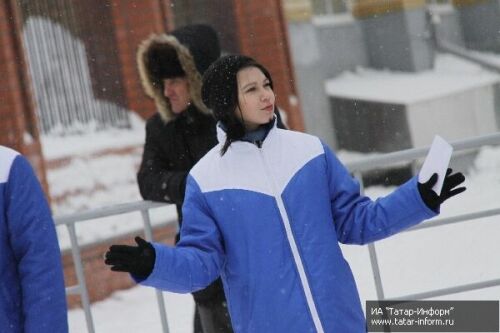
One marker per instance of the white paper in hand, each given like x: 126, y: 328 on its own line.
x: 436, y: 161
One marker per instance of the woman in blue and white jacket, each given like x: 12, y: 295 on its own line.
x: 265, y: 210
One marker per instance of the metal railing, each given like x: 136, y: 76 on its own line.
x: 356, y: 167
x: 81, y: 287
x: 411, y: 155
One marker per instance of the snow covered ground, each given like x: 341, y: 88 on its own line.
x: 135, y: 311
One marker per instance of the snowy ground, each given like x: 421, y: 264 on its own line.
x: 135, y: 311
x: 410, y: 262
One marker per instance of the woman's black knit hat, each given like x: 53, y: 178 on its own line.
x: 219, y: 92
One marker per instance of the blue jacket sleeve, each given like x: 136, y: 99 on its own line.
x: 359, y: 220
x: 197, y: 259
x: 36, y: 250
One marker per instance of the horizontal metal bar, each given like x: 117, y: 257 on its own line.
x: 384, y: 160
x: 107, y: 211
x: 74, y: 290
x: 121, y: 235
x: 449, y: 291
x: 456, y: 219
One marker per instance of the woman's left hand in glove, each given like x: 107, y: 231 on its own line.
x: 450, y: 189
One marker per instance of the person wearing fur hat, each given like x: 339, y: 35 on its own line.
x: 266, y: 210
x: 179, y: 134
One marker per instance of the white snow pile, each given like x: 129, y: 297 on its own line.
x: 450, y: 75
x: 59, y: 147
x: 92, y: 176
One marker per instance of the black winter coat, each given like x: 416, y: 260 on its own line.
x: 174, y: 143
x: 170, y: 151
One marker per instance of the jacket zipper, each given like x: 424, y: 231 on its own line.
x: 293, y: 245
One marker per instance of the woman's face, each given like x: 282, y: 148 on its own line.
x: 255, y: 97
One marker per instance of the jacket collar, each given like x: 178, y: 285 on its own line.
x: 261, y: 134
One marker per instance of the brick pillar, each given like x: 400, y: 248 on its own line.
x: 18, y: 123
x: 135, y: 20
x: 263, y: 35
x: 397, y: 34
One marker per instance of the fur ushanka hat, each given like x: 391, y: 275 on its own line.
x: 185, y: 51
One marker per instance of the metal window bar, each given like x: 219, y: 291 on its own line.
x: 66, y: 102
x: 411, y: 155
x: 81, y: 288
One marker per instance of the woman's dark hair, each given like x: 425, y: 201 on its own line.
x: 220, y: 93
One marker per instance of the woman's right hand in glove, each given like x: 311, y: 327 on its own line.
x: 137, y: 260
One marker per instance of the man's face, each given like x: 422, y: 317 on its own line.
x: 177, y: 91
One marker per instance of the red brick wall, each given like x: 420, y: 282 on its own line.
x: 17, y: 108
x: 135, y: 20
x: 263, y: 35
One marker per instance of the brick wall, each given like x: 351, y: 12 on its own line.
x: 18, y: 125
x: 135, y: 20
x: 261, y: 32
x: 263, y: 35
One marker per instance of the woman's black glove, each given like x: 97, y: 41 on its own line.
x: 451, y: 181
x: 137, y: 260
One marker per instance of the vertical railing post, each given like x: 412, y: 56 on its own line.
x: 371, y: 249
x: 148, y: 232
x: 376, y: 271
x: 80, y: 275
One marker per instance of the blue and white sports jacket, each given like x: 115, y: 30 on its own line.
x: 269, y: 220
x: 32, y: 297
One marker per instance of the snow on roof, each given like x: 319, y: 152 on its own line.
x: 450, y: 75
x: 55, y: 146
